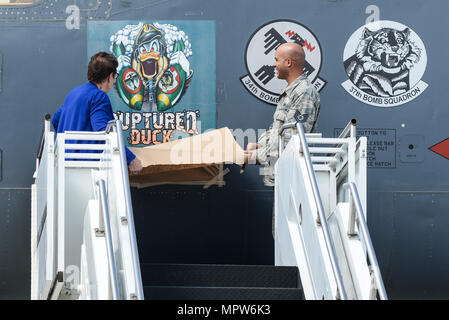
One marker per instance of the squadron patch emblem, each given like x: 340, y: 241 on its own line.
x: 261, y: 80
x: 384, y: 61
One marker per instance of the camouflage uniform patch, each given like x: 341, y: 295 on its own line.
x: 300, y: 96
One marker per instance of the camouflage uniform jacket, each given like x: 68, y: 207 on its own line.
x: 299, y: 96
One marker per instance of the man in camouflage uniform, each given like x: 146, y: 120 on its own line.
x: 298, y: 101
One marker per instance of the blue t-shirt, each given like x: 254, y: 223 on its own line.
x: 86, y: 108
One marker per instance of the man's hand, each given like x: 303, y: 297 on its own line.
x: 252, y: 146
x: 250, y: 157
x: 250, y: 153
x: 135, y: 166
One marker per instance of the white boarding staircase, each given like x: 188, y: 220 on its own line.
x: 320, y: 215
x: 83, y: 241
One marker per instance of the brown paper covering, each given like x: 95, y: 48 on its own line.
x: 190, y: 160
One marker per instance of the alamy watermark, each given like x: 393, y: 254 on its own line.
x: 374, y: 13
x: 73, y: 19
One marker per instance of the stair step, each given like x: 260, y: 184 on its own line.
x: 214, y: 275
x: 220, y: 293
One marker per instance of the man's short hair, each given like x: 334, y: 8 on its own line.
x: 101, y: 65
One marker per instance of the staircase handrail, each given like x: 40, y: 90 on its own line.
x: 45, y: 129
x: 349, y: 130
x: 117, y: 124
x: 341, y: 294
x: 106, y: 226
x: 363, y: 228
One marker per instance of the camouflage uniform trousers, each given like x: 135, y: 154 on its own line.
x: 298, y: 101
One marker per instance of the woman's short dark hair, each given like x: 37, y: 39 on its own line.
x: 101, y: 65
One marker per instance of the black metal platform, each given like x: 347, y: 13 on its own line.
x: 220, y: 282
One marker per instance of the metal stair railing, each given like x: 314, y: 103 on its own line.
x: 105, y: 228
x: 42, y: 217
x: 357, y: 216
x: 344, y: 160
x: 341, y: 294
x: 117, y: 125
x: 69, y: 159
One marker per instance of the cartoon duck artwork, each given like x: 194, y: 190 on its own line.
x: 154, y: 71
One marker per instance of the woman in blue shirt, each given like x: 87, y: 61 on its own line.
x: 88, y: 108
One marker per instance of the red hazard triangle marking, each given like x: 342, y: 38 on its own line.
x: 441, y: 148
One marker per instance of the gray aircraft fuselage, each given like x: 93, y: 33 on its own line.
x: 390, y: 77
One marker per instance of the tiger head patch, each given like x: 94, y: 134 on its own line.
x: 382, y: 61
